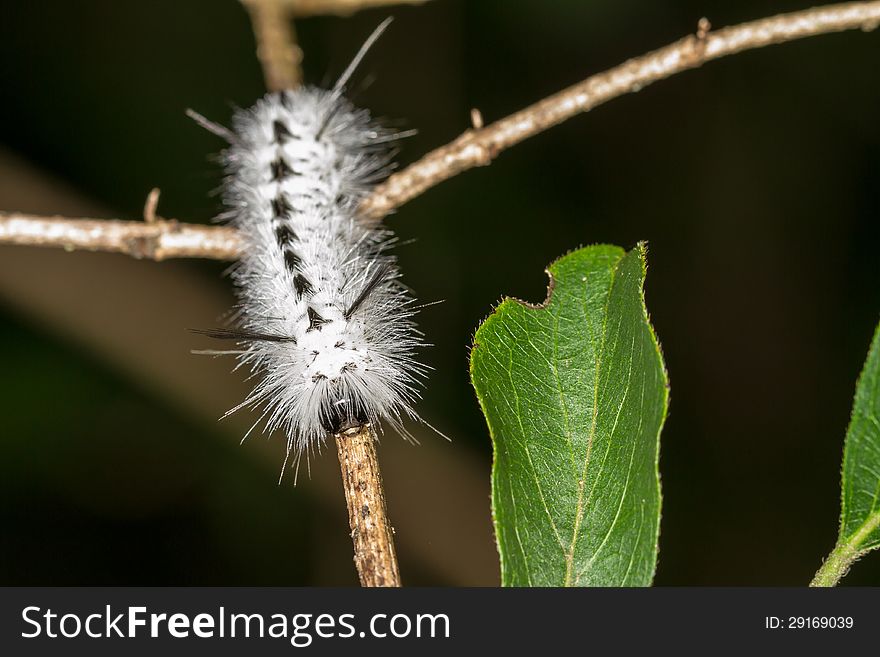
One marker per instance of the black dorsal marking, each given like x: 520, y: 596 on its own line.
x: 302, y: 286
x: 284, y: 235
x: 286, y: 99
x: 315, y: 320
x: 280, y: 206
x: 281, y: 132
x: 280, y: 169
x: 292, y: 261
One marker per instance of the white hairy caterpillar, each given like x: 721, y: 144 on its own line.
x: 322, y: 316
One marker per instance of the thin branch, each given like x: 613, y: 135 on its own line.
x: 480, y: 147
x: 477, y: 147
x: 277, y: 50
x: 371, y: 531
x: 156, y: 240
x: 301, y: 8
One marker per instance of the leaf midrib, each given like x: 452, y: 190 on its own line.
x: 579, y: 509
x: 862, y: 534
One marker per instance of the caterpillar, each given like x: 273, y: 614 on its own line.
x: 322, y: 317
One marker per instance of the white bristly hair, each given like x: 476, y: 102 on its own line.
x: 322, y: 317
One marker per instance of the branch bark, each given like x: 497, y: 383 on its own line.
x: 156, y: 240
x: 371, y: 531
x: 277, y: 49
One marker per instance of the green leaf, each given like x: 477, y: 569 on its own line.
x: 860, y: 494
x: 575, y: 394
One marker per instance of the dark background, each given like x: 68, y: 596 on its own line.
x: 754, y: 181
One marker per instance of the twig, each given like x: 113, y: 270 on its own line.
x: 480, y: 147
x: 157, y: 240
x: 371, y: 532
x: 301, y: 8
x: 277, y: 50
x: 151, y: 205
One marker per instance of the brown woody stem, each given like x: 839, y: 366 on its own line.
x: 371, y: 531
